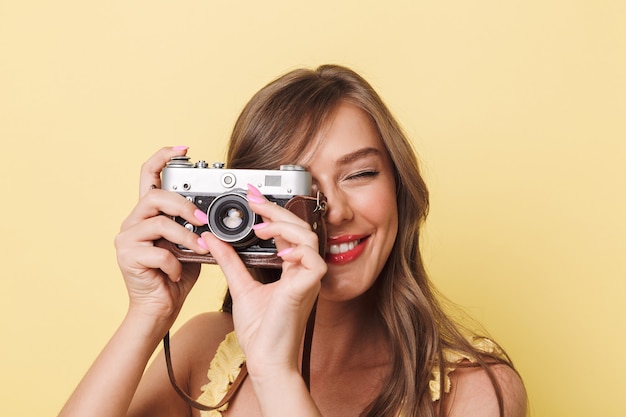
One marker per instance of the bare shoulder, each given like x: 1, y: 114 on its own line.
x: 192, y: 349
x: 473, y: 393
x: 198, y: 339
x: 206, y: 328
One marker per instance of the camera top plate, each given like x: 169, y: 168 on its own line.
x: 187, y: 178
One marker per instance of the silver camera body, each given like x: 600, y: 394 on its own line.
x: 221, y: 194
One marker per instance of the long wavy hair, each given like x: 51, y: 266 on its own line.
x: 277, y: 125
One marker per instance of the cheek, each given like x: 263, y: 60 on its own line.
x: 382, y: 212
x: 389, y: 214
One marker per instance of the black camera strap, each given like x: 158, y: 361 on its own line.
x: 243, y: 373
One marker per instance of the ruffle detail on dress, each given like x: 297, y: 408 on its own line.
x: 229, y: 358
x: 223, y: 371
x: 482, y: 344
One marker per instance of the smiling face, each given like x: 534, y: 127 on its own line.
x: 353, y: 169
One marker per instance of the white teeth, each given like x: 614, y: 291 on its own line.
x: 342, y: 248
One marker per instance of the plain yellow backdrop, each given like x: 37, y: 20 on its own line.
x: 517, y: 109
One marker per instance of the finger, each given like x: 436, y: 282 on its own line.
x: 263, y: 207
x: 237, y: 276
x: 151, y: 257
x: 305, y: 256
x: 158, y: 227
x: 158, y: 201
x: 150, y: 176
x: 287, y: 234
x: 303, y: 270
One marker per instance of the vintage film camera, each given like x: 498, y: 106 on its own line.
x: 221, y: 193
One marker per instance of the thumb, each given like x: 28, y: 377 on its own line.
x: 237, y: 276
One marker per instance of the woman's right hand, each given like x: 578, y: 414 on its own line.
x: 156, y: 281
x: 157, y: 285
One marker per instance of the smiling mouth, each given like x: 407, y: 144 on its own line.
x: 346, y: 251
x: 340, y: 248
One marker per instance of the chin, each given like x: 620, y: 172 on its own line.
x: 335, y: 289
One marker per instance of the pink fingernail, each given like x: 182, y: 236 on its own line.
x: 255, y: 199
x: 284, y: 252
x: 254, y: 191
x: 202, y: 243
x: 180, y: 148
x: 201, y: 216
x: 260, y: 226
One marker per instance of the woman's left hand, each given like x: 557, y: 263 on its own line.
x: 270, y: 318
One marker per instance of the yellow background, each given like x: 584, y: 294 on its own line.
x: 516, y: 108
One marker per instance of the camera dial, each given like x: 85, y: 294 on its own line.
x: 180, y: 162
x: 228, y: 180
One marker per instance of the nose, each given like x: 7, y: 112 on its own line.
x: 338, y: 209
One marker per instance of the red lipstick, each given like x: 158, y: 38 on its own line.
x: 344, y: 249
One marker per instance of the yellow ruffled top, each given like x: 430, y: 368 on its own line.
x: 482, y: 344
x: 229, y: 358
x: 223, y: 371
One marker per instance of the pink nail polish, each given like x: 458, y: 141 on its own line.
x: 201, y: 216
x: 180, y: 148
x: 254, y: 191
x: 253, y: 198
x: 260, y: 226
x: 202, y: 243
x: 284, y: 252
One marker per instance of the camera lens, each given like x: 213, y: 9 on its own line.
x: 231, y: 220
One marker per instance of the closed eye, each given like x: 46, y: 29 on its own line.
x: 363, y: 175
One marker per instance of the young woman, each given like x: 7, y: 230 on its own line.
x: 382, y: 344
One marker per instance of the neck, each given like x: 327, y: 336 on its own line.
x: 347, y: 334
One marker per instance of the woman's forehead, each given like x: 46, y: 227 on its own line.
x: 349, y: 134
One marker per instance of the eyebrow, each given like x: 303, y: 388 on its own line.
x: 356, y: 155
